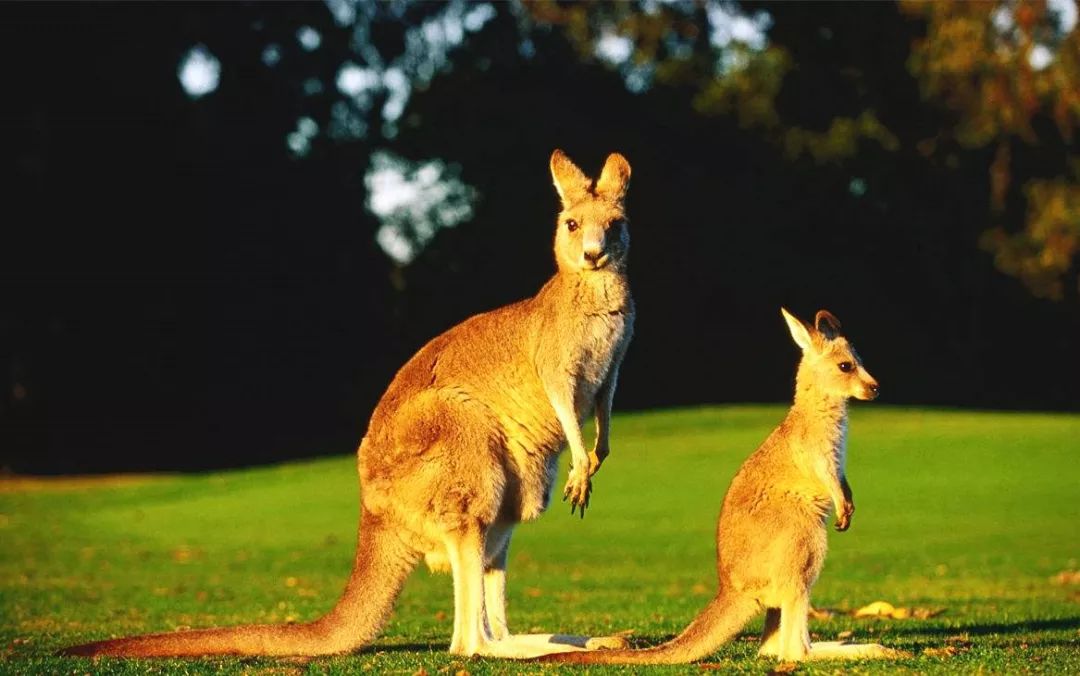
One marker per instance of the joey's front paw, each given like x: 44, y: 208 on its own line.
x: 578, y: 489
x: 843, y: 517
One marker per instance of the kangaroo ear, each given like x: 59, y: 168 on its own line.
x: 827, y: 324
x: 614, y: 178
x: 800, y: 332
x: 570, y: 182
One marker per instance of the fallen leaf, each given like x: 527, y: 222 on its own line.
x: 886, y: 609
x: 876, y: 609
x: 785, y: 668
x: 927, y: 613
x: 1067, y: 577
x: 821, y: 613
x: 947, y: 651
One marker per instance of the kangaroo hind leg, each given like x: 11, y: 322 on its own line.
x: 794, y: 633
x: 496, y: 548
x: 495, y: 566
x: 770, y: 637
x: 472, y: 633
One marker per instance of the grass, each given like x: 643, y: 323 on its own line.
x: 973, y: 513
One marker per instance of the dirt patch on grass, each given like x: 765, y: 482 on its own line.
x: 27, y: 484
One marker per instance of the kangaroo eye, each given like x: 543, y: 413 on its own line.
x: 846, y: 366
x: 571, y: 225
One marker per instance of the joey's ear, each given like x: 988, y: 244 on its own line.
x: 827, y: 324
x: 614, y: 178
x: 800, y: 332
x: 570, y: 182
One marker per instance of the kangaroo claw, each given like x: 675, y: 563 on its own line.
x: 578, y: 489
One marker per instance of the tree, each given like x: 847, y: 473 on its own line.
x: 999, y: 69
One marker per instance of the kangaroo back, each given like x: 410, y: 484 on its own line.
x: 381, y: 566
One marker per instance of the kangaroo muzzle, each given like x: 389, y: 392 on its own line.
x: 592, y: 248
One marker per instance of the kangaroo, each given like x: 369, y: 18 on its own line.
x: 771, y: 535
x: 464, y: 445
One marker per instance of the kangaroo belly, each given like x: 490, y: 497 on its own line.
x: 532, y: 440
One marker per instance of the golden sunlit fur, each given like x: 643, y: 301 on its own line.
x: 464, y: 445
x: 771, y: 536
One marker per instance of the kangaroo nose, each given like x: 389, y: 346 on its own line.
x: 873, y: 387
x: 593, y: 256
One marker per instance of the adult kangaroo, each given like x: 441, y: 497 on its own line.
x: 464, y: 445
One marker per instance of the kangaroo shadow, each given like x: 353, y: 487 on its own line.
x: 978, y: 629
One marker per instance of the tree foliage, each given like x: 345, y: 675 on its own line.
x: 998, y: 69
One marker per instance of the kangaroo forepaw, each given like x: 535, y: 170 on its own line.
x: 843, y: 518
x: 578, y: 489
x: 596, y: 458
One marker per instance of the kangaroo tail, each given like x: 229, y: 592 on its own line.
x: 714, y: 626
x: 383, y: 562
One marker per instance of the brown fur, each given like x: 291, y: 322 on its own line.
x: 464, y: 445
x: 771, y: 534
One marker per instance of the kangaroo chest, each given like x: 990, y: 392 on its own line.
x: 598, y: 341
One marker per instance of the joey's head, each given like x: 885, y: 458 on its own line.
x: 830, y: 367
x: 592, y: 232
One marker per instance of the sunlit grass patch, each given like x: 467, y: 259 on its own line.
x: 977, y: 514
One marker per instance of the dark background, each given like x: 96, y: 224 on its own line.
x: 180, y: 292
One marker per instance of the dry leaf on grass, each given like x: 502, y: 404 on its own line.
x: 876, y: 609
x: 926, y: 613
x: 1067, y: 577
x: 954, y: 645
x: 962, y: 641
x: 946, y: 651
x: 886, y: 609
x: 821, y: 613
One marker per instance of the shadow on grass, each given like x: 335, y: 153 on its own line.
x: 405, y: 648
x: 977, y: 629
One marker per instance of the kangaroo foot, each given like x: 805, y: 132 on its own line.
x: 839, y: 650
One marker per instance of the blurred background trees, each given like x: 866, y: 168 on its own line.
x: 230, y: 224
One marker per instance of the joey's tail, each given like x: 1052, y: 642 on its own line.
x: 383, y: 562
x: 714, y: 626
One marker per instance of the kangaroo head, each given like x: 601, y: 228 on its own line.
x: 829, y: 363
x: 592, y: 232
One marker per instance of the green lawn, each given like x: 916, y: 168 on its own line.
x: 975, y: 513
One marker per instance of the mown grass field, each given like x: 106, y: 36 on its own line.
x: 973, y: 513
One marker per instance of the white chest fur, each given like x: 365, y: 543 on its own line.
x: 601, y: 339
